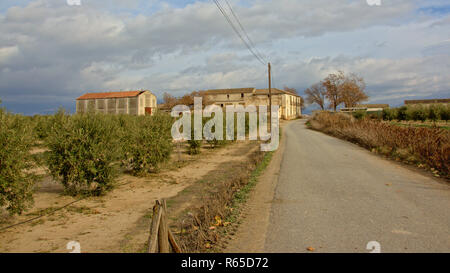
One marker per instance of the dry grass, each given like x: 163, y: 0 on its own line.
x: 199, y: 228
x: 422, y: 146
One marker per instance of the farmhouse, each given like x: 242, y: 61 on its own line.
x: 289, y: 102
x: 124, y: 102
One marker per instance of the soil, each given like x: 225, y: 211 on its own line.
x: 118, y: 221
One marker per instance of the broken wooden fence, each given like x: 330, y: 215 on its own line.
x: 161, y: 238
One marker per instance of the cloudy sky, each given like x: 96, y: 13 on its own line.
x: 52, y: 52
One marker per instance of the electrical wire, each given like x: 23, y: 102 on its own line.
x: 222, y: 10
x: 243, y: 30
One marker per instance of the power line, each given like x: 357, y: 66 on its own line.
x: 243, y: 30
x: 222, y: 10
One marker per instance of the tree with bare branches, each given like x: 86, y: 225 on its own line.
x: 316, y: 94
x: 333, y: 84
x: 169, y: 101
x: 290, y: 90
x: 352, y: 90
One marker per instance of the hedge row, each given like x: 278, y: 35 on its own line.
x: 418, y: 113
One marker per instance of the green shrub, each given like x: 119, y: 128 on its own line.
x: 359, y: 114
x: 433, y: 113
x: 388, y: 114
x: 444, y: 112
x: 148, y: 142
x: 82, y: 152
x: 194, y: 145
x: 401, y: 113
x: 416, y: 113
x: 41, y: 126
x: 16, y: 185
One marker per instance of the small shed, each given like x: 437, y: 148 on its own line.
x: 124, y: 102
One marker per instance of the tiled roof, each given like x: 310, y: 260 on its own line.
x: 274, y: 91
x: 229, y: 91
x: 110, y: 95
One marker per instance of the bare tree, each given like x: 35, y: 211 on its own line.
x: 169, y: 100
x: 316, y: 94
x: 352, y: 90
x: 333, y: 84
x: 291, y: 90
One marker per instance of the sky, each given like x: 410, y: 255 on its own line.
x: 52, y: 52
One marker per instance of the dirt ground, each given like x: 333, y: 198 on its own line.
x: 116, y: 222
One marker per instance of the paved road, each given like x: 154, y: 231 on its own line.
x: 336, y: 197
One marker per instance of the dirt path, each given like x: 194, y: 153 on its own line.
x: 106, y: 224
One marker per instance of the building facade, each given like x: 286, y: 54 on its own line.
x: 289, y: 103
x: 124, y: 102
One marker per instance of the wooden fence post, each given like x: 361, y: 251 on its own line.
x: 161, y: 238
x: 163, y: 232
x: 156, y: 219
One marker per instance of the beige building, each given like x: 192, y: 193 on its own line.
x: 290, y: 104
x: 124, y: 102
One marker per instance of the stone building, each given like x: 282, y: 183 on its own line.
x: 290, y: 103
x: 123, y: 102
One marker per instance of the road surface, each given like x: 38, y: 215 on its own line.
x: 334, y: 196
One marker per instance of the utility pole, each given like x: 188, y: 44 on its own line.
x: 270, y: 98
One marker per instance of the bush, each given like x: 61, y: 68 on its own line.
x: 194, y: 145
x: 359, y: 114
x: 41, y: 126
x: 401, y: 113
x: 433, y: 113
x: 16, y: 185
x: 416, y: 113
x: 82, y: 152
x: 148, y: 142
x: 444, y: 112
x: 388, y: 114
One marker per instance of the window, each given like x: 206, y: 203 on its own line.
x: 242, y: 95
x: 228, y: 96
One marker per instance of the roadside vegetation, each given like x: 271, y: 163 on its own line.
x: 214, y: 213
x: 425, y: 147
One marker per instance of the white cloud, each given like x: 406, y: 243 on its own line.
x: 51, y: 50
